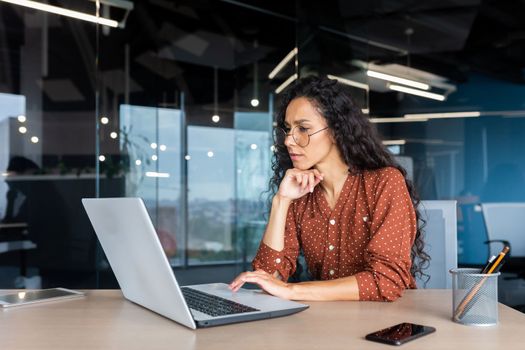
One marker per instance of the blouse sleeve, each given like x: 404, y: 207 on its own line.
x: 393, y: 226
x: 285, y: 261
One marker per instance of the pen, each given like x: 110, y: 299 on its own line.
x: 489, y: 262
x: 498, y: 259
x: 499, y: 266
x: 468, y: 301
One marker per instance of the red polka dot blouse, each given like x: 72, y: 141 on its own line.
x: 368, y: 234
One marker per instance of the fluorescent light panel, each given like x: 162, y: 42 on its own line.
x: 283, y: 63
x: 399, y: 80
x: 394, y: 142
x: 156, y: 174
x: 349, y: 82
x: 417, y: 92
x: 397, y: 120
x: 64, y: 12
x: 443, y: 115
x: 286, y: 83
x: 507, y: 114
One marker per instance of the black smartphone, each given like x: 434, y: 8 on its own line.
x: 400, y: 333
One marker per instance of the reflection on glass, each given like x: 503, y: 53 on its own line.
x: 155, y: 177
x: 211, y: 195
x: 253, y: 159
x: 227, y: 175
x: 11, y: 105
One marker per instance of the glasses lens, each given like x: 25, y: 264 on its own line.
x: 278, y: 136
x: 300, y: 136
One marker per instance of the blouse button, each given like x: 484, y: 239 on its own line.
x: 331, y: 272
x: 332, y: 222
x: 331, y: 247
x: 278, y: 261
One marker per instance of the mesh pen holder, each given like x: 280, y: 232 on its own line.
x: 474, y: 297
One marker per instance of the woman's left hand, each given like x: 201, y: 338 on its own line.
x: 267, y: 282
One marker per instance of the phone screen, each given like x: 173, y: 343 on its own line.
x: 400, y: 333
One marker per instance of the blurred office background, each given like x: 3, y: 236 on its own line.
x: 175, y: 104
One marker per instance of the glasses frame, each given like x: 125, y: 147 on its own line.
x: 291, y: 134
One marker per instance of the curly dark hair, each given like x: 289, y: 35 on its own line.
x: 357, y: 140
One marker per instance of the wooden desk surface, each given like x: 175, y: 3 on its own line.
x: 104, y: 320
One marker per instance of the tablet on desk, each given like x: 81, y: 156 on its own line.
x: 24, y: 297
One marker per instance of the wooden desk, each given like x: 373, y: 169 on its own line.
x: 104, y: 320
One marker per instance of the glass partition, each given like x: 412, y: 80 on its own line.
x: 253, y: 155
x: 151, y: 151
x: 47, y: 143
x: 188, y: 103
x: 175, y: 105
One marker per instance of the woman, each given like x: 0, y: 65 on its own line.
x: 341, y: 199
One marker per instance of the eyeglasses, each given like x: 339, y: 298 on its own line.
x: 299, y: 134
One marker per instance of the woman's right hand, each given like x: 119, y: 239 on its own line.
x: 296, y: 183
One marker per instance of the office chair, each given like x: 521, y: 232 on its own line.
x: 440, y: 235
x: 505, y: 224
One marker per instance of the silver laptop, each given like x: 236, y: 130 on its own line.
x: 145, y: 276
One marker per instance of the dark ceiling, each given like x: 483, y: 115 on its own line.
x: 178, y: 43
x: 449, y: 37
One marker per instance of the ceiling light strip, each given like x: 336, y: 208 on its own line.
x: 156, y: 174
x: 64, y: 12
x: 417, y: 92
x: 394, y: 142
x: 396, y: 79
x: 472, y: 114
x: 283, y: 63
x: 286, y: 83
x: 518, y: 113
x: 397, y: 120
x: 349, y: 82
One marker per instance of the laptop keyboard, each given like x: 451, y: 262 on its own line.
x: 211, y: 304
